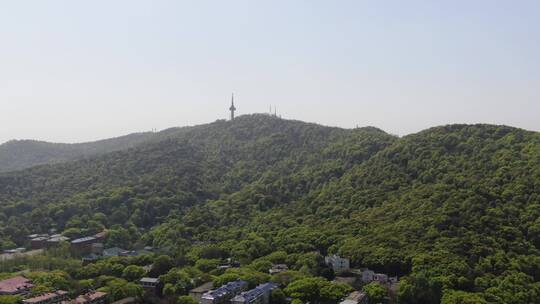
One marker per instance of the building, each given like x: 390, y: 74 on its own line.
x: 381, y: 278
x: 56, y: 239
x: 83, y: 245
x: 48, y: 298
x: 97, y: 248
x: 15, y: 251
x: 94, y: 297
x: 151, y: 286
x: 39, y: 242
x: 258, y: 295
x: 90, y: 258
x: 277, y: 268
x: 337, y: 263
x: 101, y: 236
x: 198, y: 292
x: 113, y: 252
x: 224, y: 293
x: 368, y: 276
x: 356, y: 297
x: 15, y: 286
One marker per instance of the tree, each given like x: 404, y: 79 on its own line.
x: 161, y: 265
x: 278, y: 296
x: 206, y: 265
x: 10, y: 299
x: 333, y: 292
x: 375, y: 292
x: 306, y: 289
x: 462, y: 297
x: 186, y: 300
x: 133, y: 273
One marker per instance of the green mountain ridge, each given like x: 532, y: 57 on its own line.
x: 454, y: 209
x: 22, y: 154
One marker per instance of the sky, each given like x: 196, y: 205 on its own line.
x: 75, y: 71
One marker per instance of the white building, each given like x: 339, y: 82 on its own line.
x: 337, y: 263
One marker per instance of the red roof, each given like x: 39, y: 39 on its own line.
x: 46, y: 296
x: 15, y: 285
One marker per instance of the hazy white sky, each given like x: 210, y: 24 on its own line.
x: 74, y: 71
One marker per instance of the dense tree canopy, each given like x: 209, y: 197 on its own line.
x: 454, y: 210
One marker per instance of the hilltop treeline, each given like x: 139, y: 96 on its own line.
x: 454, y: 211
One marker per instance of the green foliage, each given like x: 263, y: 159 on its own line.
x: 133, y: 273
x: 462, y: 297
x: 10, y: 299
x: 251, y: 276
x: 206, y: 265
x: 161, y: 265
x: 375, y: 292
x: 278, y: 297
x: 316, y: 289
x: 21, y: 154
x: 186, y: 300
x: 179, y: 281
x: 451, y: 210
x: 118, y: 289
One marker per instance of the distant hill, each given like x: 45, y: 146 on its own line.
x: 453, y: 210
x: 21, y: 154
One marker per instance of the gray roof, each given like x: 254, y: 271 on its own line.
x: 82, y: 240
x: 248, y: 296
x: 227, y: 289
x: 149, y: 280
x: 113, y: 251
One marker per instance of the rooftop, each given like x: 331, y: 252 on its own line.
x: 83, y: 240
x: 46, y: 296
x: 204, y: 287
x: 228, y: 288
x: 248, y: 296
x: 91, y: 296
x: 15, y: 285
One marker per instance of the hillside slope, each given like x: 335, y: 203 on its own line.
x: 453, y: 209
x: 188, y: 167
x: 21, y: 154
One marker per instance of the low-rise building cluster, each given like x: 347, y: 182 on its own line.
x: 258, y: 295
x: 21, y: 286
x: 48, y: 298
x: 224, y: 293
x: 235, y: 292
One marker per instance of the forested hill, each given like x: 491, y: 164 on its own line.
x: 22, y: 154
x: 454, y: 210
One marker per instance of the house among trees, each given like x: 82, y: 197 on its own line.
x: 337, y: 263
x: 48, y: 298
x: 151, y: 286
x: 258, y: 295
x: 224, y: 293
x: 277, y: 268
x: 198, y: 292
x: 39, y: 242
x: 356, y: 297
x: 56, y: 239
x: 368, y: 275
x: 95, y: 297
x: 15, y: 286
x: 83, y: 245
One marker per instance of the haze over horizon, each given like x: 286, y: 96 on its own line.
x: 73, y: 72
